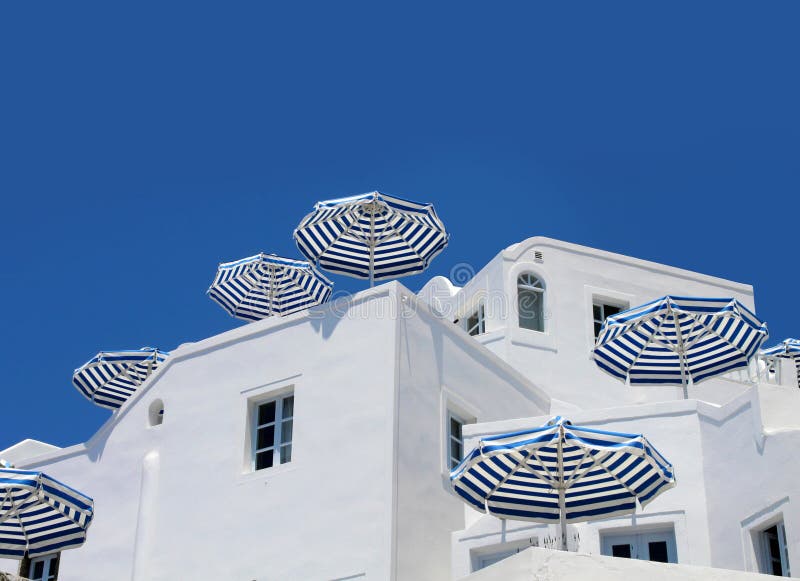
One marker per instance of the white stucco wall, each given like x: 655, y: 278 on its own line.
x: 559, y: 358
x: 673, y: 428
x: 548, y: 565
x: 442, y: 368
x: 207, y: 515
x: 752, y: 480
x: 733, y: 478
x: 365, y: 495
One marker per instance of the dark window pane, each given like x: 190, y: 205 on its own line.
x: 658, y: 551
x: 777, y: 569
x: 266, y: 437
x: 266, y: 413
x: 286, y: 432
x: 455, y: 449
x: 55, y: 563
x: 288, y: 407
x: 528, y: 279
x: 286, y: 454
x: 530, y: 310
x: 621, y: 551
x: 453, y: 463
x: 774, y: 547
x: 455, y: 428
x: 38, y: 570
x: 597, y: 327
x: 472, y: 325
x: 264, y: 459
x: 611, y: 310
x: 598, y: 312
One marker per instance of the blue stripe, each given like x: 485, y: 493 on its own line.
x: 109, y: 378
x: 719, y: 335
x: 484, y: 478
x: 51, y: 515
x: 405, y: 235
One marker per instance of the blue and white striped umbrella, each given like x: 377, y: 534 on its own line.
x: 561, y: 473
x: 265, y: 285
x: 788, y: 348
x: 110, y: 377
x: 372, y: 236
x: 40, y: 515
x: 673, y: 340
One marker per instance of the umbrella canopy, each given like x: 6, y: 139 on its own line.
x: 372, y: 236
x: 264, y: 285
x: 561, y: 473
x: 40, y: 515
x: 110, y: 377
x: 673, y: 340
x: 788, y: 348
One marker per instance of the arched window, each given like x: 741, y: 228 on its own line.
x: 156, y: 413
x: 530, y: 302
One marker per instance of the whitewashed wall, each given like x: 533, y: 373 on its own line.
x: 559, y: 359
x: 325, y: 515
x: 367, y: 494
x: 441, y: 368
x: 179, y: 501
x: 734, y: 477
x: 548, y: 565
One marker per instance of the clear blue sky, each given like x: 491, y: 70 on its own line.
x: 142, y: 144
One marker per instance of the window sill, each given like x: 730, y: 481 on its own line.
x: 490, y: 337
x: 535, y: 339
x: 265, y: 473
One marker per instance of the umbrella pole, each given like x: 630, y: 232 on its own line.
x: 562, y: 502
x: 271, y: 289
x: 681, y: 357
x: 372, y: 246
x: 371, y: 265
x: 683, y: 381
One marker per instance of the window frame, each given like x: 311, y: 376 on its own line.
x: 765, y: 558
x: 279, y: 442
x: 488, y: 559
x: 50, y: 561
x: 451, y: 417
x: 479, y: 327
x: 528, y: 286
x: 452, y: 404
x: 639, y: 542
x: 603, y: 302
x: 483, y: 556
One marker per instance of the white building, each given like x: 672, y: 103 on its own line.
x: 317, y: 446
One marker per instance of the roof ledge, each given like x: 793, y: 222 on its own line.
x: 515, y: 252
x: 26, y: 449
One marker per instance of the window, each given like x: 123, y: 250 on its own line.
x: 601, y: 311
x: 530, y: 302
x: 658, y: 546
x: 476, y: 322
x: 483, y: 557
x: 272, y: 434
x: 486, y: 560
x: 41, y: 568
x: 774, y: 557
x: 455, y: 440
